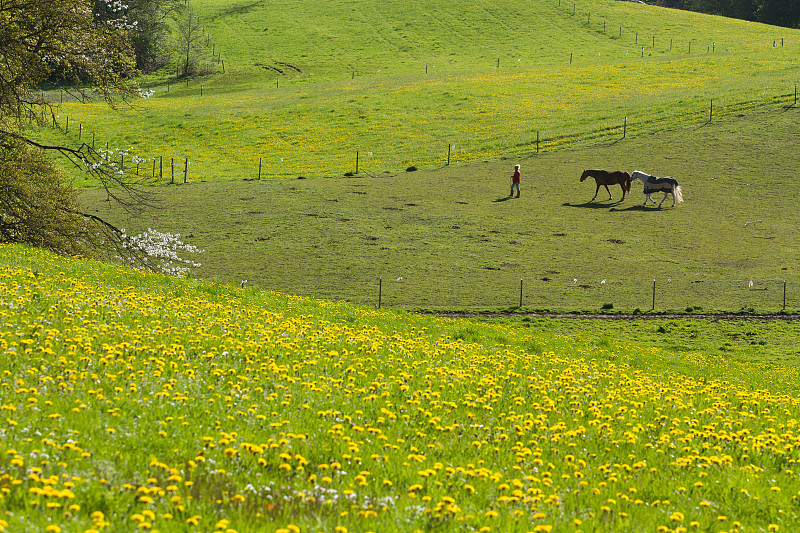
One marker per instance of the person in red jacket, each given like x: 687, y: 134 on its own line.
x: 515, y: 181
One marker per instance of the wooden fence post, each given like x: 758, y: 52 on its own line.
x: 784, y: 295
x: 654, y: 294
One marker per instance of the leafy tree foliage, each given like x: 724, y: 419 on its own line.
x: 189, y: 40
x: 148, y: 21
x: 39, y: 40
x: 36, y: 205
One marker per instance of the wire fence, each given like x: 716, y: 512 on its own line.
x: 631, y: 295
x: 435, y: 154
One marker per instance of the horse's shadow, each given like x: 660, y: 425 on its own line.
x: 593, y: 205
x: 637, y: 207
x: 614, y: 207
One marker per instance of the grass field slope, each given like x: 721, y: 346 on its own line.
x: 136, y: 402
x: 450, y: 238
x: 307, y: 86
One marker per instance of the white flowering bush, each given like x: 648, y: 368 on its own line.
x: 158, y: 251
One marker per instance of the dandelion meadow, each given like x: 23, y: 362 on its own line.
x: 137, y: 402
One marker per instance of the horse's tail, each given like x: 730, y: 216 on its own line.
x: 678, y: 194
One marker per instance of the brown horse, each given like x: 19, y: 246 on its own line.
x: 606, y: 178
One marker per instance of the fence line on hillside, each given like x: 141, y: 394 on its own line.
x: 534, y: 146
x: 629, y: 295
x: 216, y: 56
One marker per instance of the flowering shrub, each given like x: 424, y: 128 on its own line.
x: 160, y: 252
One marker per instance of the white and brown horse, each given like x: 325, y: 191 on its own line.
x: 652, y: 184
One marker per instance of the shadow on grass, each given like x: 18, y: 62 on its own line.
x: 595, y: 205
x: 637, y: 207
x: 503, y: 199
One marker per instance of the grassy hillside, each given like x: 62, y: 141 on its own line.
x: 139, y: 402
x: 450, y: 238
x: 400, y: 82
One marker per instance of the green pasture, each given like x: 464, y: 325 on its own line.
x: 449, y: 238
x: 413, y: 83
x: 135, y: 401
